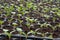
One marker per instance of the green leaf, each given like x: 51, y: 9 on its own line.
x: 1, y: 22
x: 19, y: 29
x: 29, y: 4
x: 34, y: 7
x: 31, y: 32
x: 5, y: 30
x: 14, y: 24
x: 28, y: 25
x: 46, y: 16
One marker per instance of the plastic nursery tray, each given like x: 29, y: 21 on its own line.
x: 39, y: 38
x: 17, y: 37
x: 3, y: 37
x: 56, y: 39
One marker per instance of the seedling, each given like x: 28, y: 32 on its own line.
x: 31, y: 5
x: 46, y: 16
x: 7, y: 33
x: 20, y: 21
x: 21, y: 32
x: 19, y: 15
x: 31, y: 20
x: 58, y: 14
x: 31, y: 32
x: 21, y: 9
x: 1, y: 22
x: 13, y: 13
x: 8, y: 9
x: 14, y: 24
x: 45, y: 25
x: 28, y: 25
x: 49, y: 35
x: 10, y: 19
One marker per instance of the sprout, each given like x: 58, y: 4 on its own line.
x: 28, y: 25
x: 14, y: 24
x: 34, y: 7
x: 8, y: 10
x: 47, y: 16
x: 7, y: 33
x: 13, y: 12
x: 31, y: 32
x: 29, y: 4
x: 55, y: 9
x: 50, y: 36
x: 58, y: 14
x: 19, y: 15
x: 45, y: 25
x: 1, y: 22
x: 31, y: 20
x: 5, y: 30
x: 20, y: 21
x: 19, y: 29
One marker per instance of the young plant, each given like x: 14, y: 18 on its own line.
x: 7, y: 33
x: 54, y: 18
x: 14, y: 24
x: 31, y: 32
x: 10, y: 19
x: 21, y: 9
x: 20, y: 21
x: 38, y: 33
x: 20, y: 31
x: 28, y: 25
x: 19, y: 15
x: 31, y: 20
x: 1, y: 22
x: 50, y: 36
x: 31, y: 5
x: 46, y: 16
x: 45, y: 25
x: 58, y: 14
x: 8, y: 9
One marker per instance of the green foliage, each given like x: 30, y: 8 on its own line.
x: 42, y: 13
x: 14, y: 24
x: 1, y: 22
x: 31, y: 32
x: 20, y: 31
x: 9, y: 9
x: 45, y: 25
x: 7, y: 33
x: 28, y: 25
x: 31, y: 5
